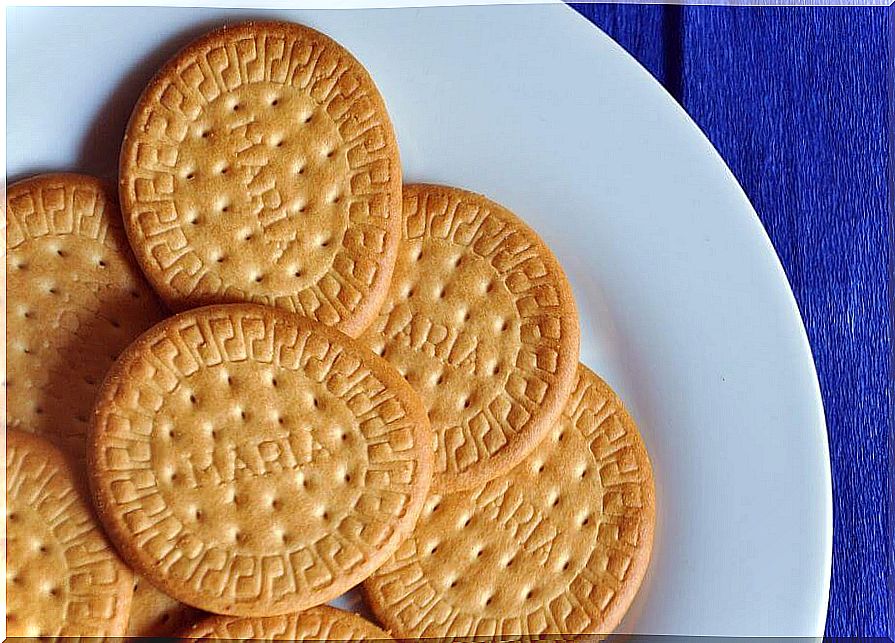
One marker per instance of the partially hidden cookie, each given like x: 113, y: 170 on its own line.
x: 260, y: 165
x: 75, y: 300
x: 252, y: 462
x: 481, y: 321
x: 321, y: 623
x: 63, y: 578
x: 155, y: 614
x: 557, y: 546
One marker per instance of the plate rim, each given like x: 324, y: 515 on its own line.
x: 805, y: 350
x: 771, y: 254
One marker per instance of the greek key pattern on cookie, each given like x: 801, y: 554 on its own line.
x: 296, y: 62
x: 316, y: 624
x: 577, y: 557
x: 230, y: 573
x: 523, y: 285
x: 59, y: 207
x: 89, y: 599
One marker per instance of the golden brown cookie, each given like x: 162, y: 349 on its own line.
x: 481, y: 321
x: 557, y: 546
x: 252, y: 462
x: 260, y: 165
x: 75, y: 299
x: 321, y: 623
x: 155, y: 614
x: 63, y: 578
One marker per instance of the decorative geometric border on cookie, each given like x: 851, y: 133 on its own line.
x: 138, y: 488
x: 60, y: 204
x: 557, y: 546
x: 347, y: 289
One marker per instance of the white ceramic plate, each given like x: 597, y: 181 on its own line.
x: 684, y: 306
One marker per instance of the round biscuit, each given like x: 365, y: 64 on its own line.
x: 481, y: 321
x: 558, y: 546
x: 252, y: 462
x: 75, y: 300
x: 63, y: 578
x: 260, y: 165
x: 322, y: 623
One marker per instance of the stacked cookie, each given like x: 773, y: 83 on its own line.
x: 277, y: 373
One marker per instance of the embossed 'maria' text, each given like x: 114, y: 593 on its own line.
x: 239, y: 462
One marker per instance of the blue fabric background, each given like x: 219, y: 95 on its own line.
x: 797, y: 101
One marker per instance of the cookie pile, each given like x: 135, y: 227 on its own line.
x: 265, y: 372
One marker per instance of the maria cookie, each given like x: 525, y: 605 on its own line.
x: 556, y: 547
x: 481, y: 321
x: 260, y: 165
x: 252, y: 462
x: 63, y: 578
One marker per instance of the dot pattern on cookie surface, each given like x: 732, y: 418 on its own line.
x: 252, y: 462
x: 559, y: 545
x: 63, y: 577
x: 75, y: 300
x: 260, y: 165
x: 321, y: 623
x: 482, y: 323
